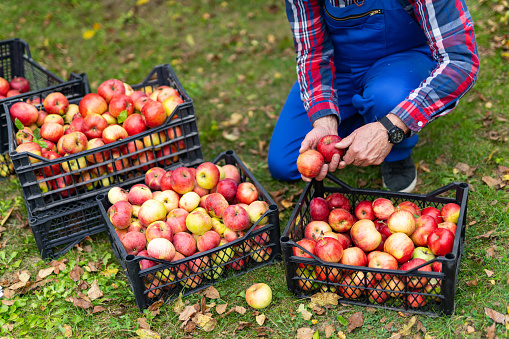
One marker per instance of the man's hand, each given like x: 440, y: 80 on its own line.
x: 327, y: 125
x: 369, y: 144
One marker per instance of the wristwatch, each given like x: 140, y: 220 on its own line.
x: 396, y: 134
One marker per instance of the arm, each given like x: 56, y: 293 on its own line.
x: 316, y: 73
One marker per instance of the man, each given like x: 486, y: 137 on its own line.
x: 375, y: 73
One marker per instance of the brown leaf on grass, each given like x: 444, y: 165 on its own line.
x: 260, y: 319
x: 490, y: 331
x: 490, y: 252
x: 83, y: 285
x: 142, y: 322
x: 8, y: 302
x: 485, y: 235
x: 147, y: 334
x: 239, y: 309
x: 470, y: 329
x: 76, y: 273
x: 44, y: 273
x: 211, y: 293
x: 95, y: 291
x: 205, y: 322
x: 221, y: 308
x: 306, y: 315
x: 187, y: 313
x: 178, y: 305
x: 489, y: 273
x: 189, y: 326
x: 67, y: 330
x: 423, y: 167
x: 329, y: 330
x: 59, y: 265
x: 93, y: 266
x: 420, y: 327
x: 406, y: 329
x: 341, y: 335
x: 305, y: 333
x: 494, y: 315
x: 286, y: 203
x: 278, y: 193
x: 465, y: 168
x: 323, y: 299
x: 81, y: 303
x: 155, y: 306
x: 98, y: 309
x: 242, y: 325
x: 354, y: 321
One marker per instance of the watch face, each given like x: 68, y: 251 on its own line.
x: 396, y: 135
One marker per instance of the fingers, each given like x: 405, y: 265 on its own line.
x: 333, y: 165
x: 323, y: 172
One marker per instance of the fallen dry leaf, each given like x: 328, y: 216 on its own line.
x: 178, y: 305
x: 211, y: 293
x: 221, y: 308
x: 329, y: 330
x: 305, y: 333
x: 489, y: 273
x: 98, y: 309
x: 494, y: 315
x: 485, y: 235
x: 490, y: 252
x: 189, y: 326
x: 260, y: 319
x: 239, y: 309
x: 76, y: 273
x: 142, y: 322
x: 81, y: 303
x: 205, y: 322
x: 324, y: 299
x: 94, y: 292
x: 341, y: 335
x: 147, y: 334
x: 67, y: 330
x: 354, y: 321
x: 242, y: 325
x: 406, y: 329
x: 187, y: 313
x: 44, y: 273
x: 306, y: 315
x: 470, y: 329
x: 490, y: 331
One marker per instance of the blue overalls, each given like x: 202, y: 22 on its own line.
x: 381, y: 55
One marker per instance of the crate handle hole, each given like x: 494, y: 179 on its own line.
x: 229, y: 152
x: 463, y: 185
x: 450, y: 256
x: 130, y: 257
x: 273, y: 207
x: 100, y: 197
x: 285, y: 239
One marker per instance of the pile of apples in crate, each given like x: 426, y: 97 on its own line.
x: 379, y: 235
x: 114, y: 113
x: 180, y: 212
x: 16, y: 86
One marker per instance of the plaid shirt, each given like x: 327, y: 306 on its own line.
x: 449, y: 29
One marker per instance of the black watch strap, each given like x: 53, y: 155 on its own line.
x: 395, y: 134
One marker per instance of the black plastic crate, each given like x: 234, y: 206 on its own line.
x: 153, y: 284
x: 58, y: 230
x: 15, y: 61
x: 306, y: 276
x: 179, y: 135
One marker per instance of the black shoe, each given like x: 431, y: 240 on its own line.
x: 400, y: 176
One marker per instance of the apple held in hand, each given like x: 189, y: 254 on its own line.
x: 310, y: 163
x: 259, y: 296
x: 326, y: 147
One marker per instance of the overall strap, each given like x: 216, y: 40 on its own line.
x: 409, y: 8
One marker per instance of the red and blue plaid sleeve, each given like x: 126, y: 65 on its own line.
x: 450, y: 31
x: 315, y: 67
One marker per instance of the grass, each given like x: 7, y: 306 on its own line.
x: 237, y: 57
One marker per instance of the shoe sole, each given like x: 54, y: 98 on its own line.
x: 409, y: 188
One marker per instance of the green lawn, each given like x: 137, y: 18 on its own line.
x: 237, y: 57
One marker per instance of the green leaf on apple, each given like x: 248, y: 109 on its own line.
x: 122, y: 116
x: 42, y: 143
x: 18, y: 124
x: 37, y: 133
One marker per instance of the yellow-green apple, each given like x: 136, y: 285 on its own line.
x: 433, y: 287
x: 309, y: 163
x: 72, y: 110
x: 365, y: 235
x: 165, y: 92
x: 400, y: 246
x: 74, y: 165
x: 99, y: 156
x: 136, y: 209
x: 121, y: 104
x: 117, y: 194
x: 423, y: 253
x: 207, y: 175
x: 120, y: 214
x: 236, y: 218
x: 134, y: 242
x: 52, y: 131
x: 318, y: 209
x: 184, y: 243
x: 401, y: 221
x: 114, y: 133
x: 255, y: 210
x: 20, y: 84
x: 134, y: 124
x: 53, y: 118
x: 409, y: 206
x: 87, y: 180
x: 450, y: 212
x: 44, y: 186
x: 94, y: 125
x: 109, y: 88
x: 158, y: 229
x: 150, y: 211
x: 364, y: 210
x: 170, y: 104
x: 74, y: 142
x: 199, y: 264
x: 128, y: 89
x: 140, y: 102
x: 354, y: 256
x: 338, y: 200
x: 63, y: 183
x: 340, y: 220
x: 56, y: 103
x: 216, y: 204
x: 110, y: 119
x: 218, y: 226
x: 32, y: 148
x: 181, y: 180
x: 191, y: 280
x: 246, y: 193
x: 224, y: 255
x: 176, y: 219
x: 308, y: 245
x: 92, y: 103
x: 326, y: 147
x: 227, y: 187
x: 189, y: 201
x: 315, y: 229
x: 383, y: 208
x: 383, y: 261
x: 153, y: 114
x: 153, y: 178
x: 259, y: 295
x: 169, y: 198
x: 308, y: 279
x: 53, y: 169
x: 41, y: 117
x: 213, y: 273
x: 329, y: 250
x: 24, y: 135
x: 221, y: 172
x: 424, y: 225
x: 76, y: 125
x: 440, y: 241
x: 448, y: 225
x: 208, y: 241
x: 198, y: 222
x: 434, y: 212
x: 26, y: 113
x: 161, y: 248
x: 232, y: 172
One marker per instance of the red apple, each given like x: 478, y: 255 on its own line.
x: 448, y: 225
x: 338, y: 200
x: 364, y: 210
x: 383, y: 208
x: 400, y: 246
x: 227, y: 188
x: 20, y: 84
x: 54, y: 169
x: 232, y: 172
x: 134, y: 242
x: 94, y: 125
x: 41, y: 117
x: 434, y: 212
x: 114, y: 133
x: 134, y: 124
x: 27, y: 114
x: 139, y: 193
x: 74, y: 142
x: 383, y: 261
x: 32, y: 148
x: 184, y: 243
x: 410, y: 206
x: 424, y: 225
x: 140, y: 102
x: 416, y: 299
x: 450, y: 212
x: 340, y: 220
x: 354, y: 256
x: 208, y: 241
x: 153, y: 114
x: 158, y: 229
x: 246, y: 193
x: 77, y: 125
x: 326, y: 147
x: 12, y: 93
x: 441, y: 241
x: 109, y: 88
x: 56, y: 103
x: 176, y: 219
x: 165, y: 92
x: 310, y: 163
x: 436, y: 266
x: 236, y: 218
x: 121, y: 103
x: 216, y: 204
x: 308, y: 245
x: 99, y: 156
x: 413, y: 281
x: 315, y: 229
x: 24, y: 135
x: 53, y: 118
x: 63, y: 183
x: 153, y: 178
x: 401, y: 221
x: 120, y: 214
x: 4, y: 86
x: 92, y: 103
x: 365, y: 236
x: 181, y: 180
x: 329, y: 250
x: 319, y: 210
x: 161, y: 248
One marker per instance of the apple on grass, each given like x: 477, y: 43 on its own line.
x: 259, y: 296
x: 326, y: 147
x: 309, y: 163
